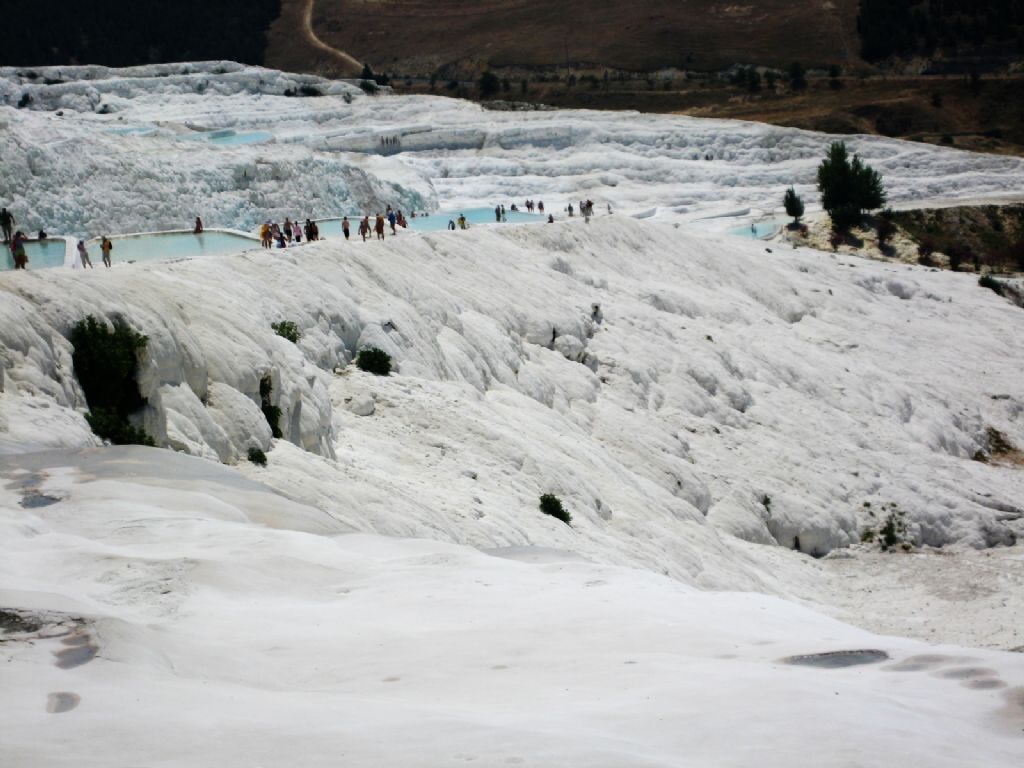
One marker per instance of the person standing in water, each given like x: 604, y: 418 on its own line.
x: 6, y: 223
x: 83, y: 255
x: 18, y: 250
x: 198, y: 229
x: 462, y: 221
x: 344, y: 226
x: 106, y: 246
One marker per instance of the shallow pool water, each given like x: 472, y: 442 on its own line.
x: 439, y: 221
x: 132, y: 131
x: 41, y: 254
x: 170, y: 245
x: 233, y: 139
x: 435, y: 222
x: 756, y: 230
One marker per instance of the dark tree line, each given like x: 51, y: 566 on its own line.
x: 128, y: 32
x: 913, y: 27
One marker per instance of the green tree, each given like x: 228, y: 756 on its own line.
x: 489, y: 85
x: 797, y: 76
x: 848, y: 187
x: 794, y: 205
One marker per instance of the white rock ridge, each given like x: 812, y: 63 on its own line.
x: 648, y: 376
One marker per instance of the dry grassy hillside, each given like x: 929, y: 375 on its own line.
x: 419, y: 36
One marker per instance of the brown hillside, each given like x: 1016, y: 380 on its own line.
x: 419, y: 36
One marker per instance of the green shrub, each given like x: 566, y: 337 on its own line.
x: 373, y: 360
x: 891, y: 534
x: 987, y: 281
x: 106, y: 363
x: 286, y: 329
x: 368, y: 86
x: 112, y: 426
x: 552, y: 505
x: 310, y: 90
x: 270, y: 412
x: 257, y: 456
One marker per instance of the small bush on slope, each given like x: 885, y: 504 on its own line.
x: 552, y: 505
x: 106, y: 363
x: 257, y: 456
x: 373, y: 360
x: 987, y: 281
x: 270, y: 412
x: 286, y: 329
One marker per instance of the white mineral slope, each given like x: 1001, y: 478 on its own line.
x: 172, y: 613
x: 67, y: 172
x: 670, y: 388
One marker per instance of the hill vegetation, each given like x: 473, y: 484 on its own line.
x: 952, y: 27
x: 122, y: 33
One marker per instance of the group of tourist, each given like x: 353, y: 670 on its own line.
x: 16, y: 240
x: 105, y: 248
x: 586, y: 209
x: 277, y: 235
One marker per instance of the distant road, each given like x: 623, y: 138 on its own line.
x: 316, y: 42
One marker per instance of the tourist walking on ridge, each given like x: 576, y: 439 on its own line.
x: 497, y: 213
x: 364, y: 227
x: 540, y: 207
x: 265, y: 234
x: 18, y: 250
x: 198, y: 229
x: 7, y: 223
x: 378, y: 227
x: 83, y: 255
x: 462, y: 221
x: 344, y: 226
x: 392, y: 220
x: 106, y: 246
x: 288, y: 229
x: 296, y: 231
x: 451, y: 225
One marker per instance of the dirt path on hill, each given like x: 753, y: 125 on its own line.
x: 310, y: 35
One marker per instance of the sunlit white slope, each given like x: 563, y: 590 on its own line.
x: 656, y: 381
x: 188, y: 617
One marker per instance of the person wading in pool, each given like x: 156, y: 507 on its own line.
x: 198, y: 230
x: 83, y: 255
x: 7, y: 223
x: 344, y: 227
x: 18, y: 250
x: 106, y: 246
